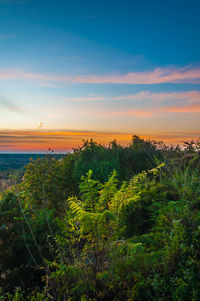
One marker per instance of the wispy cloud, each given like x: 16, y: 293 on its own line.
x: 6, y: 74
x: 157, y: 111
x: 183, y: 109
x: 156, y: 76
x: 145, y: 104
x: 188, y: 96
x: 138, y: 113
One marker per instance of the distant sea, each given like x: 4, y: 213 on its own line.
x: 19, y: 160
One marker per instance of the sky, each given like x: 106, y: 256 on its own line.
x: 80, y: 69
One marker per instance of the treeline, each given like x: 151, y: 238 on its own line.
x: 104, y: 223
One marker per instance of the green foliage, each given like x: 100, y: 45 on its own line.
x: 47, y: 182
x: 19, y: 295
x: 137, y: 156
x: 115, y: 223
x: 25, y: 237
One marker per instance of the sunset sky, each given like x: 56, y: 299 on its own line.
x: 103, y: 69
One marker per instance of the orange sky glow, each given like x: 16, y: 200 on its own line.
x: 65, y: 141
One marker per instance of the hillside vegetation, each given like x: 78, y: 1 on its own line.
x: 104, y: 223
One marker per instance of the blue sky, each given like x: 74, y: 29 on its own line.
x: 130, y: 67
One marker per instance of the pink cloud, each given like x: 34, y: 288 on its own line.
x: 23, y: 75
x: 134, y: 113
x: 156, y: 76
x: 184, y: 109
x: 147, y: 113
